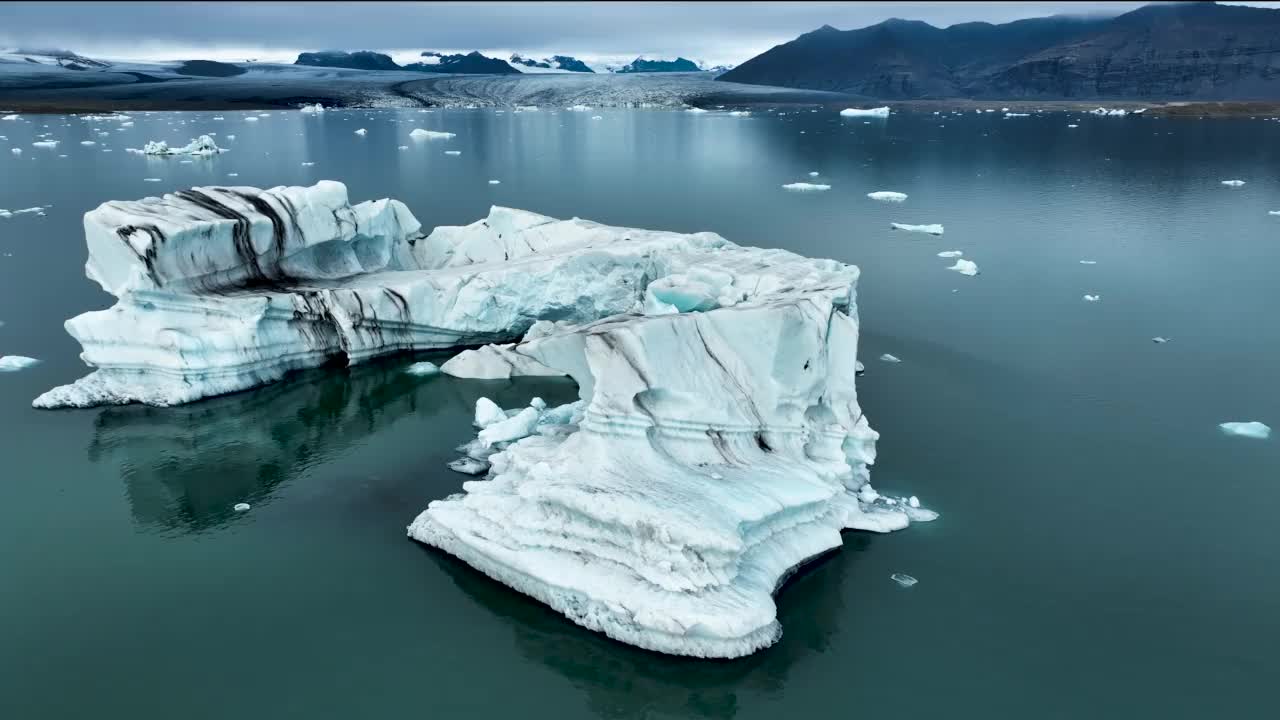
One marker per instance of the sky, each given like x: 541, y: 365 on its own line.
x: 712, y: 33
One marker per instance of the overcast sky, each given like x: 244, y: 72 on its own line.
x: 715, y: 33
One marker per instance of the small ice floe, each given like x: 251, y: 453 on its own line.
x: 241, y: 507
x: 882, y: 112
x: 813, y: 174
x: 362, y: 131
x: 928, y: 229
x: 317, y: 108
x: 1013, y: 114
x: 597, y: 117
x: 1092, y: 298
x: 913, y: 501
x: 580, y: 108
x: 488, y: 413
x: 1088, y: 262
x: 251, y: 119
x: 87, y: 142
x: 903, y: 579
x: 452, y: 152
x: 695, y: 110
x: 950, y: 254
x: 1273, y: 212
x: 16, y: 151
x: 965, y: 267
x: 1073, y: 125
x: 24, y: 211
x: 150, y: 179
x: 218, y: 117
x: 420, y: 134
x: 739, y: 113
x: 1252, y: 429
x: 45, y: 144
x: 1233, y: 183
x: 858, y: 367
x: 1159, y: 340
x: 890, y: 358
x: 805, y: 187
x: 887, y: 196
x: 469, y: 466
x: 423, y: 369
x: 495, y: 182
x: 9, y: 117
x: 203, y: 145
x: 402, y: 147
x: 14, y: 363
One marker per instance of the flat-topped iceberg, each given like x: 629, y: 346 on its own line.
x: 203, y: 145
x: 887, y: 196
x: 806, y: 187
x: 933, y: 229
x: 420, y: 134
x: 717, y: 445
x: 880, y: 112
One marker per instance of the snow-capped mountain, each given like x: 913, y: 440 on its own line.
x: 563, y: 63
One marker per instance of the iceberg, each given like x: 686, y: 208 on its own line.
x: 1233, y: 183
x: 312, y: 109
x: 887, y: 196
x: 927, y: 229
x: 711, y: 452
x: 24, y: 211
x: 805, y: 187
x: 420, y: 134
x: 203, y: 145
x: 903, y: 579
x: 1273, y: 212
x: 362, y: 131
x: 16, y: 151
x: 452, y: 152
x: 423, y: 369
x: 1016, y: 114
x: 10, y: 117
x: 965, y: 267
x: 890, y: 358
x: 1253, y: 429
x: 880, y: 112
x: 1109, y: 113
x: 495, y: 182
x: 950, y: 254
x: 14, y: 363
x: 1092, y: 298
x: 45, y: 144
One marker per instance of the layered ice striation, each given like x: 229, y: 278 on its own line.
x: 716, y: 446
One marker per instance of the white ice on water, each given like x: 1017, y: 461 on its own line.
x: 420, y: 134
x: 312, y: 109
x: 362, y: 131
x: 1252, y: 429
x: 890, y: 358
x: 880, y: 112
x: 927, y: 229
x: 14, y: 363
x: 1092, y: 298
x: 887, y: 196
x: 903, y: 579
x: 806, y: 187
x: 1233, y: 183
x: 423, y: 369
x: 203, y: 145
x: 950, y: 254
x: 965, y: 267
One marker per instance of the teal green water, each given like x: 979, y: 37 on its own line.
x: 1103, y: 551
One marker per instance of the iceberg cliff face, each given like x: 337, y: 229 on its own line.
x: 717, y: 445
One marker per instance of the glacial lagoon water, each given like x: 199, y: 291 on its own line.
x: 1104, y: 550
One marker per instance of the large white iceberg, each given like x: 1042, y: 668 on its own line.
x: 1251, y: 429
x: 203, y: 145
x: 881, y: 112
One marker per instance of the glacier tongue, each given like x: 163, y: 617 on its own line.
x: 718, y: 444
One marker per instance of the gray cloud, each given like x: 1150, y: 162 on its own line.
x: 716, y: 32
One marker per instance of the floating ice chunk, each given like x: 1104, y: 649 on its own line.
x: 1088, y: 262
x: 420, y: 134
x: 452, y: 152
x: 1233, y: 183
x: 402, y: 147
x: 251, y: 119
x: 469, y: 466
x: 1252, y: 429
x: 307, y: 164
x: 1015, y: 114
x: 317, y: 108
x: 580, y: 108
x: 495, y: 362
x: 805, y: 187
x: 150, y: 179
x: 495, y: 182
x: 881, y: 112
x: 913, y: 501
x: 45, y: 143
x: 14, y: 363
x: 1073, y: 125
x: 597, y: 117
x: 488, y: 413
x: 1092, y: 298
x: 813, y: 174
x: 231, y: 137
x: 1118, y: 112
x: 241, y: 507
x: 423, y: 369
x: 1159, y: 340
x: 520, y: 425
x: 218, y: 117
x: 362, y: 131
x: 927, y: 229
x: 24, y: 211
x: 903, y: 579
x: 950, y: 254
x: 233, y: 174
x: 965, y: 267
x: 203, y: 145
x: 695, y: 110
x: 1273, y: 212
x: 887, y: 196
x: 87, y: 142
x: 9, y: 117
x: 890, y: 358
x: 16, y: 151
x: 739, y: 113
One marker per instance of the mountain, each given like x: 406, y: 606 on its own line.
x: 1162, y: 51
x: 209, y: 68
x: 360, y: 60
x: 555, y: 62
x: 471, y: 63
x: 640, y: 65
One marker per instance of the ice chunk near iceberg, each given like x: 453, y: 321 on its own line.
x: 805, y: 187
x: 423, y: 369
x: 9, y: 117
x: 241, y: 507
x: 312, y: 109
x: 452, y: 152
x: 45, y: 143
x: 518, y: 426
x: 1233, y: 183
x: 880, y: 112
x: 887, y: 196
x: 903, y: 579
x: 890, y: 358
x: 1252, y: 429
x: 150, y: 179
x: 1073, y: 125
x: 950, y: 254
x: 495, y: 362
x: 488, y: 413
x: 927, y: 229
x: 1092, y: 298
x: 965, y: 267
x: 469, y: 466
x: 362, y: 131
x: 420, y: 134
x: 14, y: 363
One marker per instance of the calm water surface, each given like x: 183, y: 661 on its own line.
x: 1104, y: 551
